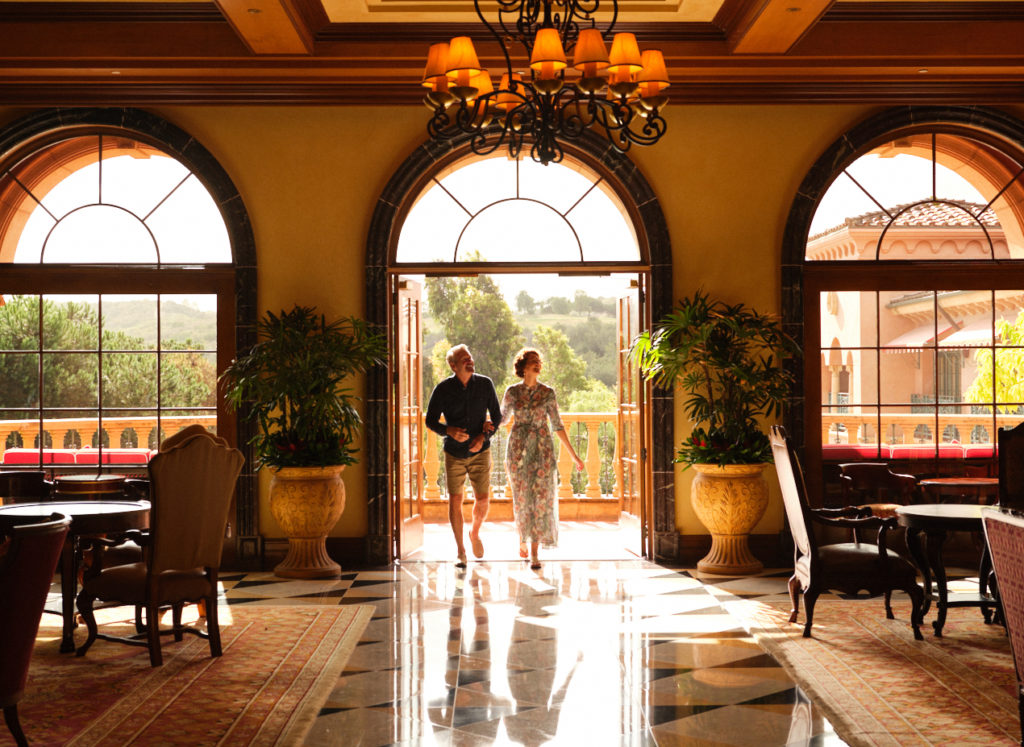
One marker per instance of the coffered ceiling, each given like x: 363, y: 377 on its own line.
x: 372, y: 51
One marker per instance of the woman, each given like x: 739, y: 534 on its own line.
x: 530, y: 456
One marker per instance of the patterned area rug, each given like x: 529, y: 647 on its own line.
x: 278, y: 667
x: 879, y: 686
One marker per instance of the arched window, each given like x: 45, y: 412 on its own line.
x: 910, y: 266
x: 117, y: 289
x: 498, y: 210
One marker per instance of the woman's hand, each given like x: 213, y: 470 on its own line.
x: 579, y: 463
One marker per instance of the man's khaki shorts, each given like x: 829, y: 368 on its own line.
x: 476, y: 466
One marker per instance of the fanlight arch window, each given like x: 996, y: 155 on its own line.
x: 116, y: 270
x: 498, y: 210
x: 104, y: 199
x: 911, y: 274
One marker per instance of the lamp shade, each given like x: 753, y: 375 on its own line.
x: 437, y: 64
x: 625, y: 54
x: 548, y: 55
x: 653, y: 77
x: 482, y: 83
x: 462, y: 57
x: 506, y: 99
x: 590, y: 54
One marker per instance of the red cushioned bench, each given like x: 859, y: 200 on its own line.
x: 19, y: 455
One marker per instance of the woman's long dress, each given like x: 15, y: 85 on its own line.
x: 530, y: 461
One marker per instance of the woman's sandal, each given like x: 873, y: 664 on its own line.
x: 523, y: 552
x: 535, y: 563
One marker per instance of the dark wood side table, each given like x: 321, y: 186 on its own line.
x: 87, y: 518
x: 935, y: 521
x: 964, y: 488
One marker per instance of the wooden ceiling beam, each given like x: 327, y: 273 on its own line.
x: 269, y: 27
x: 773, y: 26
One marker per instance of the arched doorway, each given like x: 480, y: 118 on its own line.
x: 619, y: 178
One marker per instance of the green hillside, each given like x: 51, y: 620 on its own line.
x: 179, y: 321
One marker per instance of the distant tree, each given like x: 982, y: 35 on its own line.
x: 525, y: 303
x: 593, y: 397
x: 474, y: 311
x: 1009, y: 368
x: 563, y: 368
x: 558, y: 305
x: 72, y: 379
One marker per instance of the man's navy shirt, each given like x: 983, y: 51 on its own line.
x: 463, y: 407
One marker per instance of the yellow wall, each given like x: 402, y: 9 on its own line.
x: 310, y: 177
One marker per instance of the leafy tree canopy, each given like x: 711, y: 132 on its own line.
x: 1008, y: 370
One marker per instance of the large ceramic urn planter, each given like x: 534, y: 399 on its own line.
x: 307, y: 502
x: 729, y: 501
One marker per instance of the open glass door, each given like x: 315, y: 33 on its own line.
x: 407, y: 423
x: 631, y: 450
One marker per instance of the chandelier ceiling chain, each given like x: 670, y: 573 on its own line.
x: 620, y: 93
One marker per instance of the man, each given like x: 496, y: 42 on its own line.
x: 464, y: 399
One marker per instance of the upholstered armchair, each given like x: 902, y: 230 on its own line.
x: 28, y: 559
x: 191, y: 482
x: 849, y: 566
x: 1011, y: 467
x: 1004, y: 534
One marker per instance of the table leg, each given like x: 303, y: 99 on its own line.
x: 913, y: 537
x: 935, y: 540
x: 68, y: 586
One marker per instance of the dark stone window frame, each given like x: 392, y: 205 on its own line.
x: 36, y: 130
x: 996, y: 127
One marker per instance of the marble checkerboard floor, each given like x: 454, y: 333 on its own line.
x: 607, y: 651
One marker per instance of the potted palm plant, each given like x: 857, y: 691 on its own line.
x: 726, y: 360
x: 292, y: 383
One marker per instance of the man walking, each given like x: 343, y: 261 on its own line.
x: 465, y: 399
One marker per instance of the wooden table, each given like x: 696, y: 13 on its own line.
x: 89, y: 487
x: 87, y: 518
x: 979, y: 488
x: 935, y: 521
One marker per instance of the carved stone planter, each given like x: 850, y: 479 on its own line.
x: 729, y: 501
x: 307, y: 502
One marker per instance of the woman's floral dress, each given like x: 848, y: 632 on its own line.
x: 530, y: 461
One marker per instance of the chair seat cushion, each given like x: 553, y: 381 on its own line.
x: 127, y: 583
x: 849, y: 556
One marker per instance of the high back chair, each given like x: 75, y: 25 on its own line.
x: 23, y: 486
x: 28, y: 558
x: 192, y: 483
x: 849, y: 566
x: 1004, y: 534
x: 1011, y: 467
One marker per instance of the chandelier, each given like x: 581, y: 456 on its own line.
x: 619, y: 93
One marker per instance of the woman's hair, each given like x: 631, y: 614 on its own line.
x: 521, y: 359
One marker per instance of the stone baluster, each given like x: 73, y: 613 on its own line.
x: 431, y: 466
x: 565, y: 468
x: 593, y: 463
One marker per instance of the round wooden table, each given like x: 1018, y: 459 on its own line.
x: 87, y: 518
x: 935, y: 521
x: 964, y: 488
x: 88, y: 487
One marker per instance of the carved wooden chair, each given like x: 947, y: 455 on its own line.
x: 850, y: 566
x: 876, y: 486
x: 29, y: 553
x: 192, y: 483
x: 1004, y: 534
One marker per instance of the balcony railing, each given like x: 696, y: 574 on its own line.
x: 593, y: 435
x: 914, y: 428
x: 56, y: 432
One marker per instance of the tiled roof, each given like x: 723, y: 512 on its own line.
x: 923, y: 214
